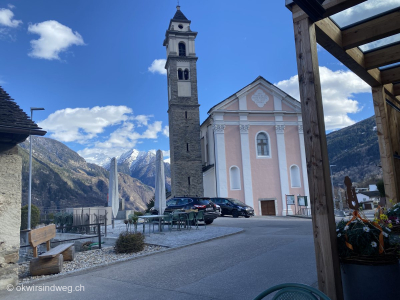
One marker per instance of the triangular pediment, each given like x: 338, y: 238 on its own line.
x: 262, y: 91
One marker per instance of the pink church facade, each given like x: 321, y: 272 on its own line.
x: 253, y: 149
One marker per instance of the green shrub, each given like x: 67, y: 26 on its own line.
x: 129, y: 243
x: 150, y: 205
x: 35, y: 217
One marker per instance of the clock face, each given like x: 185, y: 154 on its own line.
x: 180, y: 26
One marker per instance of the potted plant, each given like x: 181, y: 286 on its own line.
x: 133, y: 219
x: 393, y: 221
x: 368, y: 254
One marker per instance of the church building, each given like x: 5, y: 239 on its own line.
x: 252, y: 148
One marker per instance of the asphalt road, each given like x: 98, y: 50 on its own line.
x: 270, y: 251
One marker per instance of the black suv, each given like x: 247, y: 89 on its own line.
x: 236, y: 208
x: 210, y: 209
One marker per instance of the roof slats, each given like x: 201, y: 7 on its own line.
x: 371, y: 30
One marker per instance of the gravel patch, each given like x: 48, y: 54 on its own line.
x: 155, y: 242
x: 87, y: 260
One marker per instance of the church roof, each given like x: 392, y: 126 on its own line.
x: 257, y: 79
x: 179, y: 15
x: 13, y: 119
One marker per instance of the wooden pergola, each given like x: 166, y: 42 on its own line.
x: 312, y: 24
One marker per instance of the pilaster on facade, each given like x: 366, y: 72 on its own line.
x: 247, y: 180
x: 280, y: 129
x: 283, y: 173
x: 304, y: 163
x: 220, y: 157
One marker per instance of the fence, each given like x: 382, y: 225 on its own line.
x: 92, y: 228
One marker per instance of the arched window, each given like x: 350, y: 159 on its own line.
x: 234, y: 173
x: 295, y: 176
x: 262, y: 144
x: 180, y: 74
x: 182, y: 49
x: 186, y: 74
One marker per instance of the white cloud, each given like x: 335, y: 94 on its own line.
x: 104, y: 131
x: 7, y: 18
x: 54, y: 39
x: 158, y: 66
x: 82, y: 124
x: 142, y: 119
x: 152, y: 130
x: 338, y: 87
x: 166, y: 153
x: 11, y: 6
x: 166, y: 131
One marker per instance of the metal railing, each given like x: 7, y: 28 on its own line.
x: 98, y: 235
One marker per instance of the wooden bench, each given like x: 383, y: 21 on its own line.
x: 50, y: 262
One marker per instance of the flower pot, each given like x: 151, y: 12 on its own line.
x: 361, y: 282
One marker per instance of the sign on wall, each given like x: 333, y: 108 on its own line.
x: 290, y: 200
x: 302, y: 200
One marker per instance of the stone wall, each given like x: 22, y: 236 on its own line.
x: 10, y: 215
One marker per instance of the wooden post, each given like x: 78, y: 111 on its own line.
x: 324, y: 227
x: 385, y: 144
x: 99, y: 233
x: 69, y: 254
x: 54, y: 265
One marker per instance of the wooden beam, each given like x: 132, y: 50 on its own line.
x: 396, y: 89
x: 390, y: 75
x: 331, y: 7
x: 382, y: 57
x: 324, y: 227
x: 372, y: 30
x: 329, y: 36
x: 385, y: 143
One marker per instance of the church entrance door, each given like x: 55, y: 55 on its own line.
x: 268, y: 208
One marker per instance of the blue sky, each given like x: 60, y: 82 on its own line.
x: 87, y: 63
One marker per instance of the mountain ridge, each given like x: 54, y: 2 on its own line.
x: 61, y: 178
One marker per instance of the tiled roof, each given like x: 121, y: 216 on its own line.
x: 179, y: 16
x: 13, y: 117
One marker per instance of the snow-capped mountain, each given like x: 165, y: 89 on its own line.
x: 141, y: 165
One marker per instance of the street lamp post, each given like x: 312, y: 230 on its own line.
x: 333, y: 193
x: 30, y: 172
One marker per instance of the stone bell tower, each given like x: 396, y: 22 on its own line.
x: 183, y: 108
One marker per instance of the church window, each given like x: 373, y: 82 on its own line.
x: 234, y: 173
x: 185, y: 114
x: 180, y: 26
x: 187, y: 147
x: 188, y: 180
x: 182, y: 49
x: 262, y: 144
x: 186, y: 74
x: 180, y: 74
x: 295, y: 176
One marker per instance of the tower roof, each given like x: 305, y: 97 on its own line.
x: 179, y: 16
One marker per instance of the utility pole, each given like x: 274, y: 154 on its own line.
x: 30, y: 173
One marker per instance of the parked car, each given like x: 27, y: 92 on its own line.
x: 210, y: 209
x: 234, y: 207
